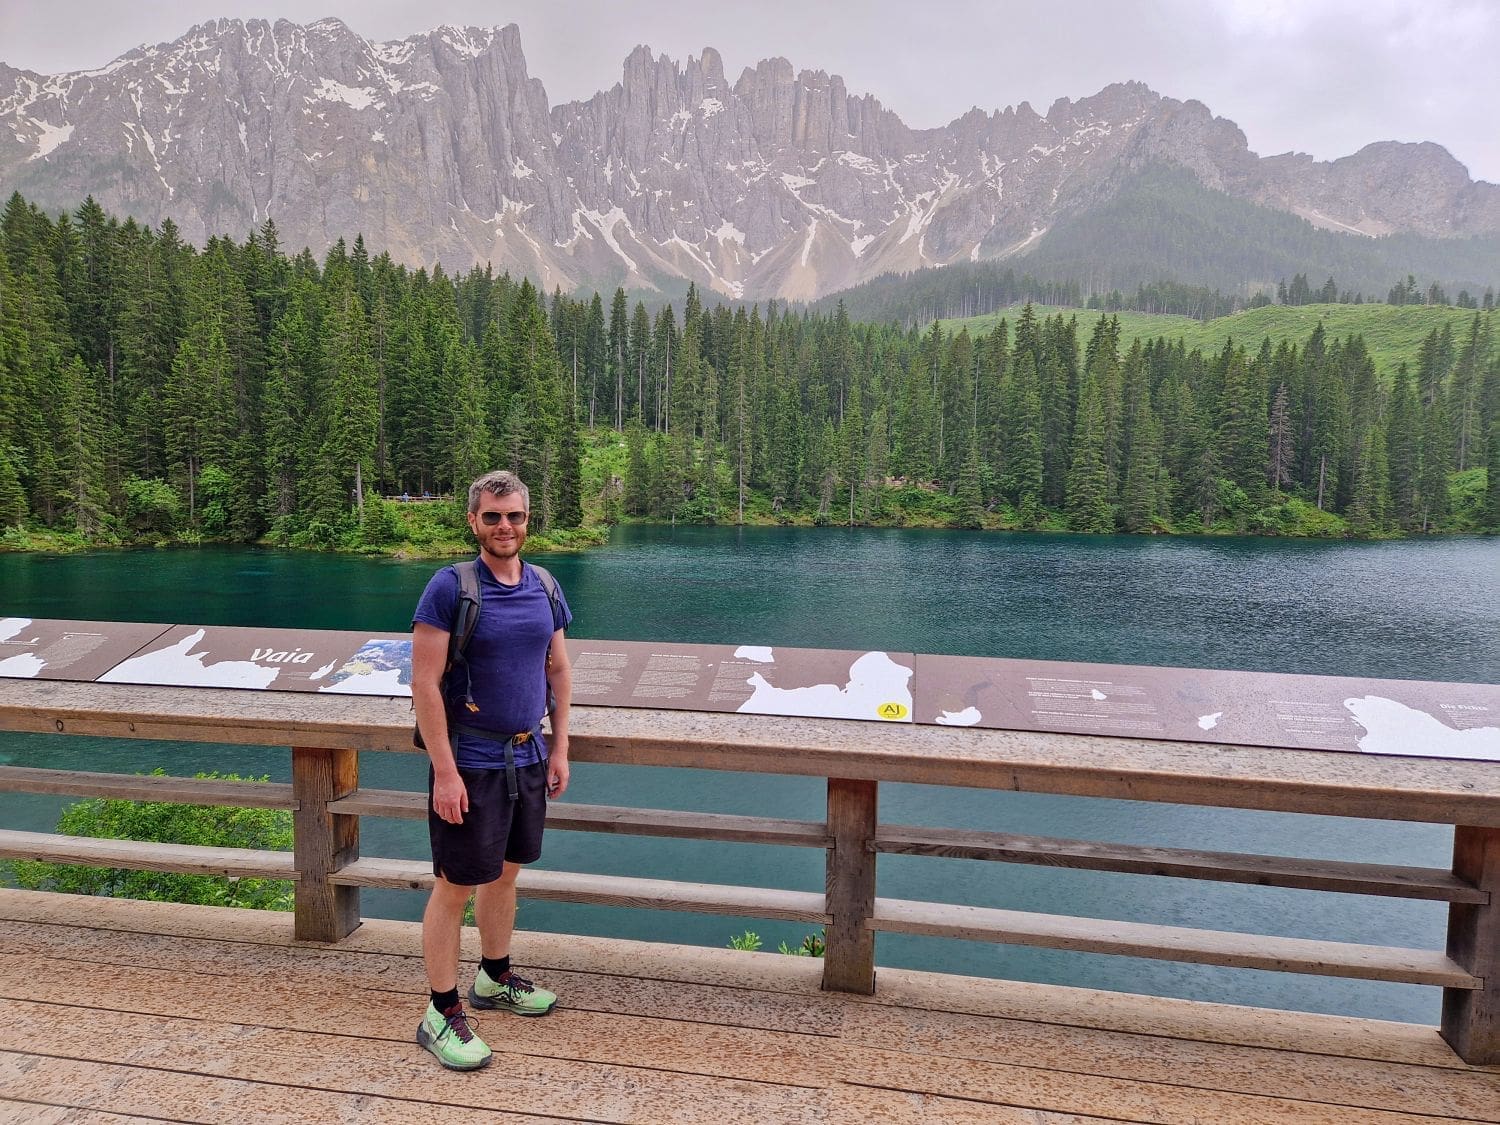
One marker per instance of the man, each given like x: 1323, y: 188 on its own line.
x: 492, y: 769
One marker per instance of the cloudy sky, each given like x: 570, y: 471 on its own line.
x: 1319, y: 76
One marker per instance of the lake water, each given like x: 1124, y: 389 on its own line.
x: 1416, y: 610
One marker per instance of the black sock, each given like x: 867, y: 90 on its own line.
x: 445, y: 1001
x: 495, y: 967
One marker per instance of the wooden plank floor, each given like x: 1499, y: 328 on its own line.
x: 114, y: 1011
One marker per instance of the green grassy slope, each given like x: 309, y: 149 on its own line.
x: 1392, y: 333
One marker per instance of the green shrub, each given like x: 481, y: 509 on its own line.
x: 202, y: 825
x: 379, y: 526
x: 152, y: 507
x: 813, y: 945
x: 1466, y: 492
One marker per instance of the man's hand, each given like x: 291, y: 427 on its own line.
x: 557, y: 767
x: 450, y: 798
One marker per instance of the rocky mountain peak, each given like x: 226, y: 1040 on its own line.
x: 442, y: 147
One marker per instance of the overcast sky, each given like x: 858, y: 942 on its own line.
x: 1319, y: 76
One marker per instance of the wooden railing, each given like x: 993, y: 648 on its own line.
x: 327, y: 733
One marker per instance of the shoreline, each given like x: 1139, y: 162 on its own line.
x: 578, y: 541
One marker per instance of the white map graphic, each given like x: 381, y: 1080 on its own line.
x: 1394, y: 728
x: 875, y: 680
x: 1208, y: 722
x: 383, y: 681
x: 178, y: 664
x: 26, y: 665
x: 965, y: 718
x: 380, y: 667
x: 761, y: 654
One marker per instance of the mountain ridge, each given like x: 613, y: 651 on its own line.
x: 442, y: 147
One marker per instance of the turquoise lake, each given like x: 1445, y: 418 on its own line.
x: 1414, y: 610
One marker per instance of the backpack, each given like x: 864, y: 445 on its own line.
x: 467, y: 620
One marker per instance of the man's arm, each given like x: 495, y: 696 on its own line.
x: 429, y: 655
x: 560, y: 680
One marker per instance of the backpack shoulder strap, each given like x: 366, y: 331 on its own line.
x: 469, y: 602
x: 549, y: 584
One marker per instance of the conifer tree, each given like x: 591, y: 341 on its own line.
x: 1088, y: 476
x: 569, y: 511
x: 1490, y: 517
x: 618, y: 344
x: 1437, y: 461
x: 853, y: 470
x: 1022, y: 429
x: 284, y: 412
x: 1242, y: 438
x: 970, y: 493
x: 595, y: 356
x: 1367, y: 507
x: 12, y: 496
x: 469, y: 436
x: 197, y: 406
x: 1404, y: 451
x: 77, y: 440
x: 637, y: 360
x: 637, y: 486
x: 347, y: 457
x: 1138, y: 503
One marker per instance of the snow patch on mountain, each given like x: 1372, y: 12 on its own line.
x: 49, y: 137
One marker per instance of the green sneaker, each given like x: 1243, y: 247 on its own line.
x: 450, y: 1037
x: 513, y: 994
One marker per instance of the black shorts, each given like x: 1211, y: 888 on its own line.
x: 495, y: 831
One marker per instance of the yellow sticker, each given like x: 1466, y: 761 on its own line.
x: 891, y: 711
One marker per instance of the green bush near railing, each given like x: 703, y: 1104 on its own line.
x: 160, y: 822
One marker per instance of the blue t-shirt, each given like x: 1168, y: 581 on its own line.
x: 507, y: 660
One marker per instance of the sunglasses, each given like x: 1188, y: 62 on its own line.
x: 490, y: 519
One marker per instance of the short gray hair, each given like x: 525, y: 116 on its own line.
x: 501, y: 482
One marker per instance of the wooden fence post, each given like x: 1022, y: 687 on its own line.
x: 849, y: 957
x: 324, y: 842
x: 1471, y: 1017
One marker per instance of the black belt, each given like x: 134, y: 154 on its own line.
x: 519, y: 739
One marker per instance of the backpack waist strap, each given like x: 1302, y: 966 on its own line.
x: 520, y: 738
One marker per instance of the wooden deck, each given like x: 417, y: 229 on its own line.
x: 120, y: 1011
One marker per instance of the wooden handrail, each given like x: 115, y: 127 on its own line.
x: 615, y: 820
x: 138, y: 855
x: 1389, y: 880
x: 1434, y: 790
x: 326, y: 733
x: 145, y: 787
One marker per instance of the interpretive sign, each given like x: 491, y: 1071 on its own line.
x: 1398, y: 717
x: 754, y: 679
x: 68, y: 650
x: 1408, y: 717
x: 279, y: 659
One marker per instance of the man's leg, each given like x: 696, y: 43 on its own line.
x: 445, y: 1029
x: 495, y: 914
x: 442, y: 922
x: 496, y: 986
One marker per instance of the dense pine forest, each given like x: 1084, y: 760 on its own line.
x: 150, y: 390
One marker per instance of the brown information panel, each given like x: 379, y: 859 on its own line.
x: 1402, y: 717
x: 275, y: 659
x: 68, y: 650
x: 753, y: 679
x: 1399, y: 717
